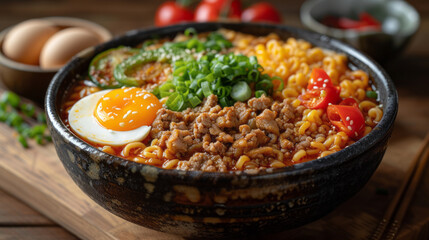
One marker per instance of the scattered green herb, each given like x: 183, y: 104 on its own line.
x: 372, y: 94
x: 18, y: 115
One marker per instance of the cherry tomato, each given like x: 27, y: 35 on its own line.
x: 320, y: 98
x: 319, y: 79
x: 348, y: 119
x: 261, y: 12
x: 171, y: 13
x: 212, y: 10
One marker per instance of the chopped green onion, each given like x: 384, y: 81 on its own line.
x: 265, y: 85
x: 175, y: 102
x: 190, y: 31
x: 195, y: 101
x: 28, y: 109
x: 3, y: 115
x: 10, y: 98
x: 39, y: 139
x: 37, y: 130
x: 206, y: 89
x: 241, y: 91
x: 12, y: 111
x: 23, y: 129
x: 23, y: 141
x: 259, y: 93
x: 48, y: 138
x: 14, y: 119
x: 253, y: 75
x: 41, y: 118
x: 224, y: 102
x: 281, y: 86
x: 372, y: 94
x: 3, y: 106
x: 228, y: 76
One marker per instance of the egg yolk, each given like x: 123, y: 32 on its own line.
x: 126, y: 109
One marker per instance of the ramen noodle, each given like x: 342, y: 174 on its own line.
x: 299, y: 117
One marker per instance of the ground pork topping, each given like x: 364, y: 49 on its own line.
x: 211, y: 138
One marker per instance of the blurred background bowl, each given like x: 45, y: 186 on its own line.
x: 31, y: 81
x: 399, y: 20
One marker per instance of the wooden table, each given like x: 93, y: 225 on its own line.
x: 18, y: 221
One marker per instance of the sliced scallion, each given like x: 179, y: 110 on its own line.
x: 23, y: 141
x: 241, y: 91
x: 259, y: 93
x: 206, y: 89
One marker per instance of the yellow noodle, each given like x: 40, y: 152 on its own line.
x: 170, y: 164
x: 299, y: 155
x: 326, y: 153
x: 304, y: 127
x: 318, y: 145
x: 241, y: 161
x: 376, y: 114
x: 152, y: 152
x: 108, y: 149
x: 277, y: 164
x: 126, y: 150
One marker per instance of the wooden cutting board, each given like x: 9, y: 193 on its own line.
x: 37, y: 177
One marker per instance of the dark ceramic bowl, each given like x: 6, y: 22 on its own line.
x: 201, y: 204
x: 399, y: 22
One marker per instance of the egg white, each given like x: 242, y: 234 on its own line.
x: 84, y: 123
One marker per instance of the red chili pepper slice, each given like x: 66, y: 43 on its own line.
x: 347, y: 23
x: 369, y: 20
x: 365, y: 22
x: 348, y: 119
x: 350, y: 102
x: 320, y: 98
x: 319, y: 79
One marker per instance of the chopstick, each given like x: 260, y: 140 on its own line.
x: 403, y: 196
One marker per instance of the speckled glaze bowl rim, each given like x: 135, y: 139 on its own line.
x: 338, y: 158
x: 101, y: 31
x: 310, y: 22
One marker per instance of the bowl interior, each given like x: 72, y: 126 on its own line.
x: 398, y: 17
x: 387, y: 93
x: 399, y: 22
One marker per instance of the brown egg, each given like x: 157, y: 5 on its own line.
x: 62, y: 46
x: 24, y: 42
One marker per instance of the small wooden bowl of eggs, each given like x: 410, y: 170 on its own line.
x: 34, y: 50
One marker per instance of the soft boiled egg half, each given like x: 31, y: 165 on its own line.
x: 114, y: 117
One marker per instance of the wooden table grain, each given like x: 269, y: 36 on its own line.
x: 409, y: 72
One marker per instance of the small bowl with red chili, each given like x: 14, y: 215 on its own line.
x: 382, y: 29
